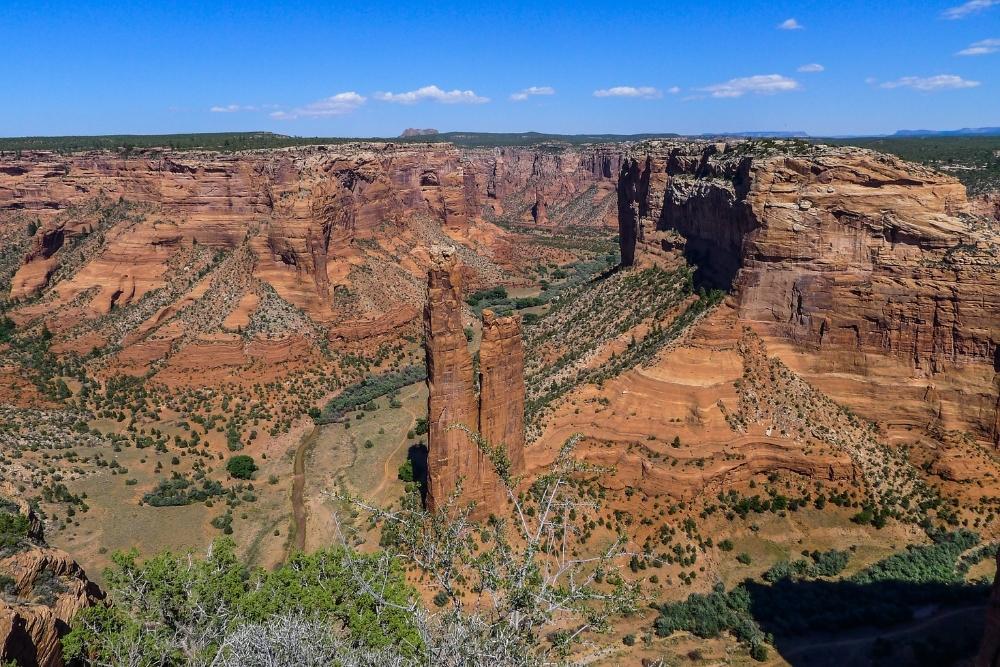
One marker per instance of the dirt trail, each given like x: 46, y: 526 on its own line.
x: 299, y: 511
x: 298, y: 488
x: 387, y: 475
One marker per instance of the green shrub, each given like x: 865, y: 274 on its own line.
x: 181, y: 490
x: 241, y: 467
x: 710, y: 615
x: 325, y: 583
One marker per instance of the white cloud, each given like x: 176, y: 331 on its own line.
x: 968, y: 9
x: 644, y: 92
x: 761, y: 84
x: 811, y: 68
x: 232, y: 108
x: 673, y: 90
x: 790, y: 24
x: 524, y: 94
x: 336, y: 105
x: 931, y: 83
x: 981, y: 48
x: 434, y: 94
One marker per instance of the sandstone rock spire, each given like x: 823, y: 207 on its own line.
x: 498, y: 413
x: 450, y: 400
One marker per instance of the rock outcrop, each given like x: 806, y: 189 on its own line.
x: 418, y: 132
x: 501, y: 387
x: 451, y: 403
x: 497, y: 414
x: 41, y: 590
x: 840, y: 250
x: 552, y: 185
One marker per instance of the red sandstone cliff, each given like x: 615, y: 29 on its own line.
x: 842, y: 251
x: 548, y: 185
x: 201, y: 248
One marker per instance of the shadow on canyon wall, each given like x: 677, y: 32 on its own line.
x: 820, y: 623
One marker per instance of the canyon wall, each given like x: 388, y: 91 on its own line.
x: 338, y: 232
x: 498, y: 411
x: 299, y: 210
x: 548, y: 185
x: 845, y: 252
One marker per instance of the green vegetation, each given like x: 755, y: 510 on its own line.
x: 181, y: 490
x: 492, y: 294
x: 923, y: 564
x: 824, y: 564
x: 241, y: 467
x: 175, y: 609
x: 881, y: 595
x: 232, y: 141
x: 712, y: 614
x: 375, y: 386
x: 13, y: 530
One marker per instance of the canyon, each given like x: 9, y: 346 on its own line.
x: 781, y: 311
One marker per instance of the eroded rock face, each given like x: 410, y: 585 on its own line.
x: 298, y: 209
x: 451, y: 400
x: 339, y: 233
x: 501, y: 392
x: 41, y: 590
x: 841, y: 250
x: 497, y: 413
x: 548, y: 185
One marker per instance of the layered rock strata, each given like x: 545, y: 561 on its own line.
x: 843, y: 251
x: 501, y: 387
x: 454, y: 411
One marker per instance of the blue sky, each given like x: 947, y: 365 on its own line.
x: 372, y: 68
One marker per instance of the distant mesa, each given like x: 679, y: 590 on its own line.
x: 417, y: 132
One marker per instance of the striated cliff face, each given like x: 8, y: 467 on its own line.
x: 41, y: 590
x: 166, y: 255
x: 843, y: 251
x: 557, y: 186
x: 501, y: 392
x: 451, y: 400
x: 297, y: 209
x: 498, y: 413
